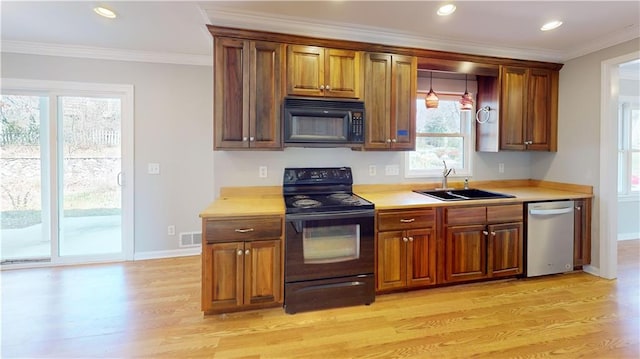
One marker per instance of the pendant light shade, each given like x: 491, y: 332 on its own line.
x: 466, y: 102
x: 432, y: 99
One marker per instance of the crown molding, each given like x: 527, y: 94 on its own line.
x: 88, y: 52
x: 629, y: 33
x: 379, y: 35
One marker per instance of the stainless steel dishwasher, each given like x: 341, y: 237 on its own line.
x: 549, y: 238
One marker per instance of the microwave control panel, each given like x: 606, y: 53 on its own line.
x: 357, y: 126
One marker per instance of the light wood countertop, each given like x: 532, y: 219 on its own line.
x: 406, y: 199
x: 244, y: 206
x: 259, y: 201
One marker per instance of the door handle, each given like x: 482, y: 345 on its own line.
x: 119, y: 179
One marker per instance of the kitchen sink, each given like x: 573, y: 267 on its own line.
x: 463, y: 194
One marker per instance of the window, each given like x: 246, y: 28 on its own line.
x: 629, y: 149
x: 442, y: 134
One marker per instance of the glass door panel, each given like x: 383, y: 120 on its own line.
x: 90, y: 206
x: 24, y: 229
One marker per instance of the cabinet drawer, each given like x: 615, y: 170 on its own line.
x: 468, y: 215
x: 507, y: 213
x: 244, y: 229
x: 390, y: 221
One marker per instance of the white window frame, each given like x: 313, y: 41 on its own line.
x: 626, y: 105
x: 467, y: 118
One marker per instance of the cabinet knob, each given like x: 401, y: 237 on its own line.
x: 388, y: 140
x: 328, y: 88
x: 244, y: 139
x: 393, y: 140
x: 485, y: 233
x: 321, y: 87
x: 410, y: 239
x: 493, y: 233
x: 239, y: 252
x: 246, y: 252
x: 251, y: 139
x: 578, y: 208
x: 405, y: 239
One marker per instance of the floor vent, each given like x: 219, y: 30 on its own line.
x: 190, y: 239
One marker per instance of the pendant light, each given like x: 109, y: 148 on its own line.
x: 432, y: 99
x: 466, y: 101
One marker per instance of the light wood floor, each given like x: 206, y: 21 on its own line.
x: 152, y: 309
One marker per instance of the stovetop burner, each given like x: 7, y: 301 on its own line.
x: 306, y: 203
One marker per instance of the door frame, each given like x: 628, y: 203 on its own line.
x: 66, y: 88
x: 608, y: 198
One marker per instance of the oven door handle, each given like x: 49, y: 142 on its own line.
x: 330, y: 215
x: 333, y: 285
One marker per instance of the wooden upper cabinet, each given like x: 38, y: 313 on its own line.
x: 248, y: 91
x: 390, y: 98
x: 318, y: 71
x: 528, y: 109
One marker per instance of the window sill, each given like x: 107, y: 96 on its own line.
x: 635, y: 197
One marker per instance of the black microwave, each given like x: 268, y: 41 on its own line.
x: 318, y: 122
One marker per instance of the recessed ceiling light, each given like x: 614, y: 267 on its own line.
x: 103, y: 11
x: 446, y: 10
x: 551, y: 25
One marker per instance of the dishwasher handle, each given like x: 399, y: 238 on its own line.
x: 534, y: 211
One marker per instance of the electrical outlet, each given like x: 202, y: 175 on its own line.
x: 392, y: 170
x: 372, y: 170
x: 171, y: 230
x: 153, y: 168
x: 262, y: 171
x: 501, y: 167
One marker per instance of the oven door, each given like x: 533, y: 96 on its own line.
x: 329, y: 245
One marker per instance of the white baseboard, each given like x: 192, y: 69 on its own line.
x: 591, y: 270
x: 183, y: 252
x: 628, y: 236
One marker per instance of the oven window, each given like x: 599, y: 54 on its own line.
x: 330, y: 244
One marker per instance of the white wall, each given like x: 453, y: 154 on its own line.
x: 173, y: 127
x: 578, y: 156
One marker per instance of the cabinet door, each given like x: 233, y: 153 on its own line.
x: 342, y: 73
x: 539, y: 110
x: 404, y: 72
x: 231, y: 93
x: 582, y: 233
x: 513, y: 108
x: 505, y: 252
x: 305, y: 70
x: 266, y: 74
x: 421, y: 257
x: 222, y: 276
x: 377, y: 97
x: 465, y: 253
x: 392, y: 265
x: 262, y: 274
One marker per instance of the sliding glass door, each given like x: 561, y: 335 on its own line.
x: 65, y: 189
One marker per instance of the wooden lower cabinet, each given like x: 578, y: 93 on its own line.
x: 582, y: 233
x: 240, y: 275
x: 485, y: 248
x: 406, y: 251
x: 465, y: 254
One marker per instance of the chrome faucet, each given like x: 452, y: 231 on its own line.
x: 445, y: 173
